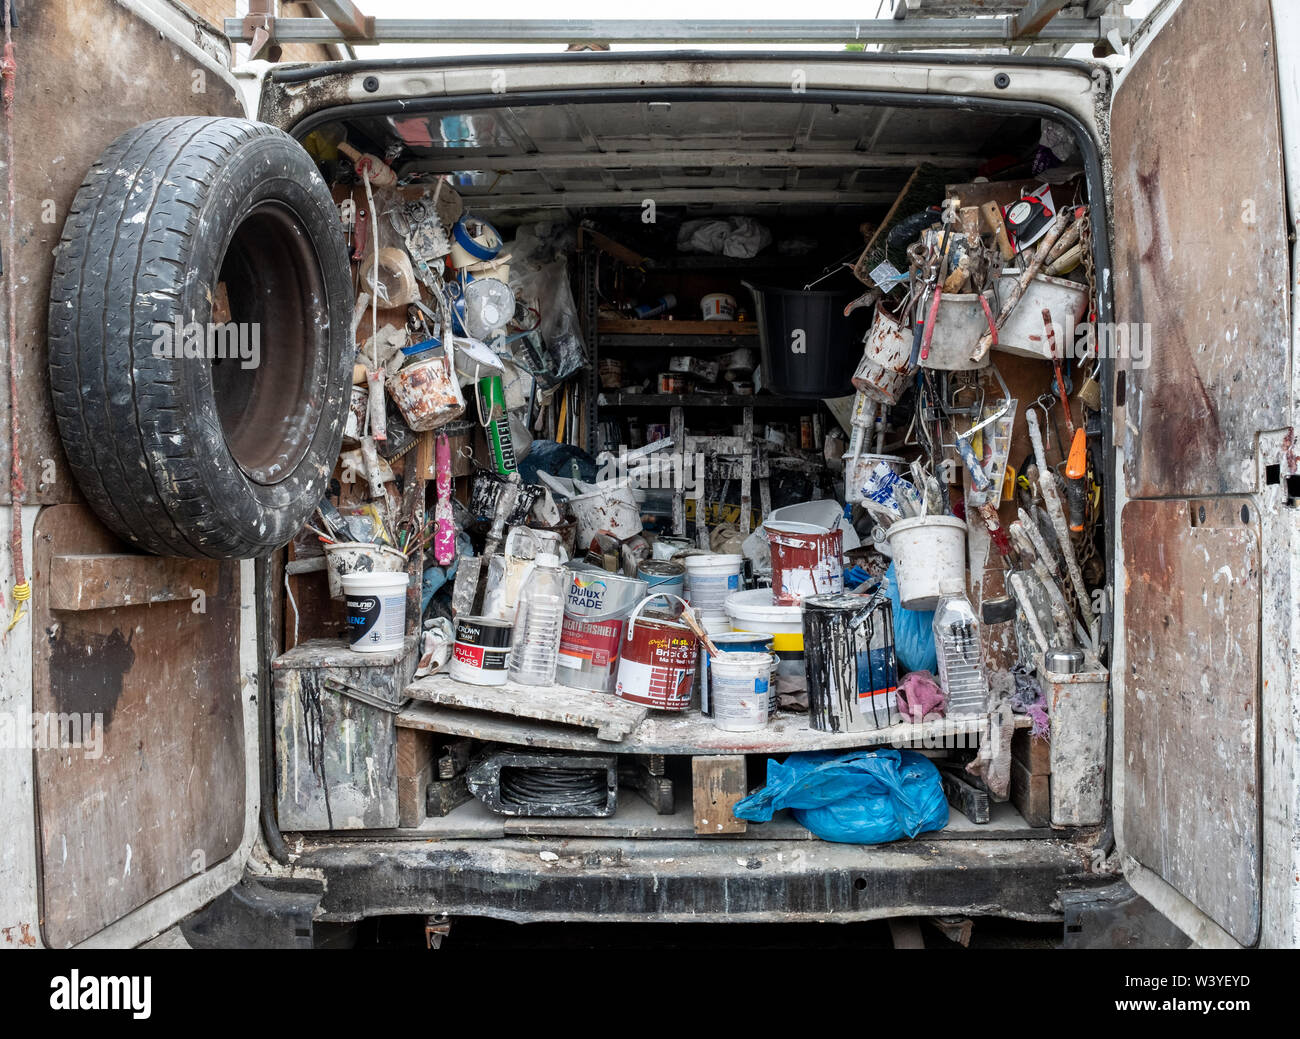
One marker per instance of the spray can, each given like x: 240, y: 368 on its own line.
x: 496, y: 424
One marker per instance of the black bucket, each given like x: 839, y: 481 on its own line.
x: 819, y: 362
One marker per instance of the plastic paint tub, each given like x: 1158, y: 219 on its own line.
x: 806, y: 560
x: 662, y: 575
x: 473, y: 241
x: 884, y: 371
x: 427, y: 393
x: 710, y: 578
x: 359, y: 557
x: 481, y: 654
x: 657, y: 660
x: 740, y: 690
x: 671, y: 548
x: 754, y: 611
x: 596, y: 607
x: 718, y: 306
x: 376, y: 606
x: 852, y: 673
x: 927, y: 551
x: 735, y: 642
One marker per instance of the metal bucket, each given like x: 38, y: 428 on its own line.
x: 852, y: 673
x: 657, y: 661
x: 596, y: 607
x: 663, y: 576
x: 884, y: 371
x: 806, y: 560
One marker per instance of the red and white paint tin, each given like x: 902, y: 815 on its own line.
x: 481, y: 653
x: 657, y: 664
x: 806, y: 560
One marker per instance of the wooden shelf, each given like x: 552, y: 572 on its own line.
x: 688, y: 733
x: 612, y: 399
x: 629, y: 326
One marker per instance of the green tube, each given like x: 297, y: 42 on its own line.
x: 496, y: 423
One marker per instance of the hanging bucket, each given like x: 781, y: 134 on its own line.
x: 884, y: 371
x: 427, y: 392
x: 806, y: 560
x: 927, y: 550
x: 596, y: 607
x: 657, y: 660
x: 376, y: 605
x: 710, y: 578
x: 741, y: 690
x: 358, y: 557
x: 611, y: 510
x: 852, y: 673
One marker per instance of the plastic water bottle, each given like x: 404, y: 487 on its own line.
x: 538, y: 619
x: 957, y: 645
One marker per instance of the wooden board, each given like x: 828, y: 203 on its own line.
x: 1201, y: 254
x: 98, y: 582
x: 415, y: 767
x: 611, y: 717
x: 689, y: 733
x: 1191, y: 708
x: 717, y: 786
x: 164, y: 798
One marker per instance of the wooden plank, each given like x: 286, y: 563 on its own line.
x: 101, y: 582
x: 1031, y: 794
x: 161, y: 797
x: 717, y: 785
x: 415, y: 768
x: 1035, y: 753
x: 611, y: 717
x: 691, y: 733
x: 628, y: 326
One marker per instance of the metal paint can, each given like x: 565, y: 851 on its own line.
x: 852, y: 673
x: 657, y: 660
x: 663, y: 575
x: 807, y: 559
x: 597, y: 604
x: 481, y: 653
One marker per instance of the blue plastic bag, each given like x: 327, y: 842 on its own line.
x: 913, y: 632
x: 863, y: 797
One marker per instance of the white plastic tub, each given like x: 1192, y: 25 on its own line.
x: 710, y: 579
x: 927, y: 550
x: 376, y: 605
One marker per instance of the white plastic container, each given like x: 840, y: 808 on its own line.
x: 718, y: 306
x: 535, y: 647
x: 613, y: 509
x: 755, y: 611
x: 376, y: 607
x: 883, y: 372
x: 739, y: 690
x: 710, y: 579
x: 358, y: 557
x: 927, y: 551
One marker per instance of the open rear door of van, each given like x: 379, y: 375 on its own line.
x: 1201, y: 419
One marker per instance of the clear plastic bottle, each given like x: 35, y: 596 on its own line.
x: 957, y: 645
x: 535, y: 647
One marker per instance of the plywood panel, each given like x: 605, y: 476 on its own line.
x: 1201, y: 251
x: 155, y: 792
x: 1191, y: 711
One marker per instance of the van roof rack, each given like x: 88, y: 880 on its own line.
x: 1016, y: 25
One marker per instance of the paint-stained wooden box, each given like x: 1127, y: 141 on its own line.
x: 336, y: 735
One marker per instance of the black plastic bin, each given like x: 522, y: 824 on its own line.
x: 831, y: 343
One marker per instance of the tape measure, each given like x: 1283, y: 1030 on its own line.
x: 1026, y: 216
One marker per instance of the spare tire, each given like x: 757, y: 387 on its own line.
x: 199, y: 337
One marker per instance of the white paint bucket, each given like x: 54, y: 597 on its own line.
x: 481, y: 653
x: 927, y: 550
x: 754, y: 611
x: 358, y: 557
x: 613, y: 510
x: 710, y: 578
x: 739, y: 690
x: 884, y: 371
x: 807, y: 559
x: 736, y: 642
x: 718, y: 306
x: 376, y: 605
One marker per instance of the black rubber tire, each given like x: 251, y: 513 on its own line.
x: 185, y: 456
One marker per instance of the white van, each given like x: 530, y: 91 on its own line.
x: 150, y: 620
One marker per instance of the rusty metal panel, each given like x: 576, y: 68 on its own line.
x: 86, y: 73
x: 1191, y: 709
x: 154, y: 792
x: 1200, y: 253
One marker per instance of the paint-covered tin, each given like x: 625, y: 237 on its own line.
x: 597, y: 604
x: 663, y: 575
x: 481, y: 652
x: 735, y: 642
x: 657, y: 660
x: 852, y: 673
x: 806, y: 560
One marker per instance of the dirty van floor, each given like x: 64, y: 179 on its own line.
x: 477, y: 933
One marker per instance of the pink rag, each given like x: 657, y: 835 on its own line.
x: 919, y: 697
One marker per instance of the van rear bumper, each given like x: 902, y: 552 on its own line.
x: 678, y: 881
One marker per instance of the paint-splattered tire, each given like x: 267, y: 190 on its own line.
x: 199, y: 331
